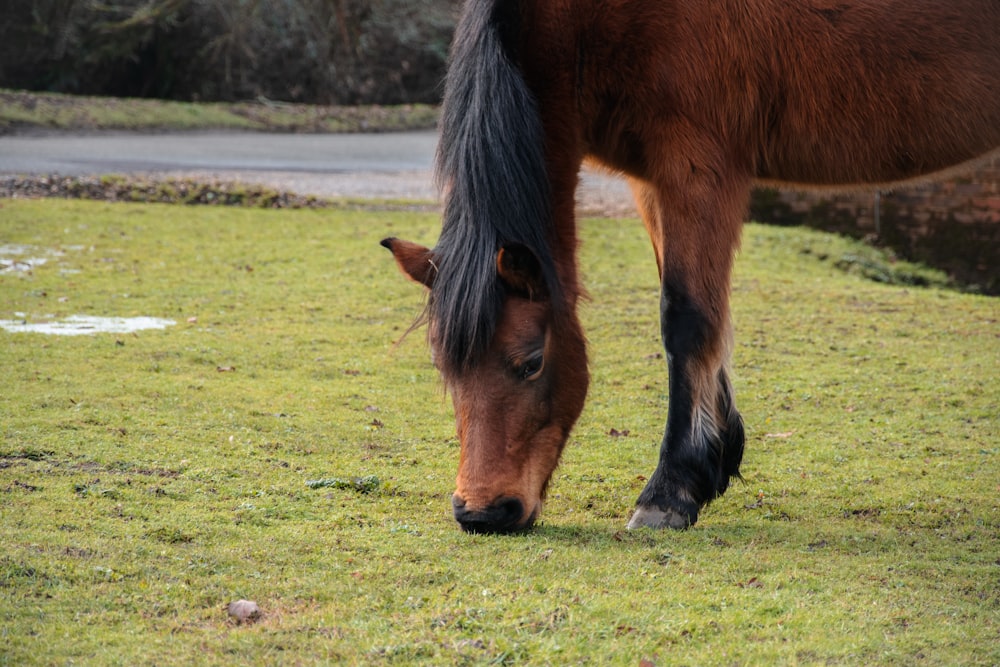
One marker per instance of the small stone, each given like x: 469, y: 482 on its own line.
x: 244, y: 611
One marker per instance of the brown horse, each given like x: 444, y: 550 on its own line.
x: 692, y: 102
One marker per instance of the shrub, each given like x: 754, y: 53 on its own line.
x: 320, y: 51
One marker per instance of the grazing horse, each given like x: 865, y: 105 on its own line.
x: 692, y: 102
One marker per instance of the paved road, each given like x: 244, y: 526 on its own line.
x: 396, y: 165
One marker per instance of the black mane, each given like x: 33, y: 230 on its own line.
x: 491, y: 167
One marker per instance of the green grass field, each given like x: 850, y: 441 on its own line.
x: 149, y: 479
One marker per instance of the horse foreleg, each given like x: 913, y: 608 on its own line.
x: 695, y: 229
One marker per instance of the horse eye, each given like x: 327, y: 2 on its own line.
x: 531, y: 369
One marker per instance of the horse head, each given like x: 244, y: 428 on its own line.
x: 516, y: 402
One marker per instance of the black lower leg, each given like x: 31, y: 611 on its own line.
x: 703, y: 444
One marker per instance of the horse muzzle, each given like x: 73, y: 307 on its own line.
x: 503, y: 515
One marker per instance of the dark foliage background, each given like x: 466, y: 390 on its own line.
x: 319, y: 51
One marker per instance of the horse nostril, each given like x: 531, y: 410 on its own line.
x: 512, y: 509
x: 503, y: 516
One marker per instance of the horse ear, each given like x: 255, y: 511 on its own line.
x: 415, y: 261
x: 520, y: 270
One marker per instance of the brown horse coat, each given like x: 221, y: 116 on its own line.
x: 693, y: 102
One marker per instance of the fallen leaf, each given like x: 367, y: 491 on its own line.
x: 786, y: 434
x: 615, y: 433
x: 758, y: 504
x: 225, y: 369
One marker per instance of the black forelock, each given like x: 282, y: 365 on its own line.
x: 491, y: 167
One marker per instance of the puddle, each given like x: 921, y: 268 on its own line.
x: 84, y: 325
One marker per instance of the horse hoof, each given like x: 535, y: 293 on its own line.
x: 654, y: 517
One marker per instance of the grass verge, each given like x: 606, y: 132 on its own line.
x: 277, y: 444
x: 26, y: 111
